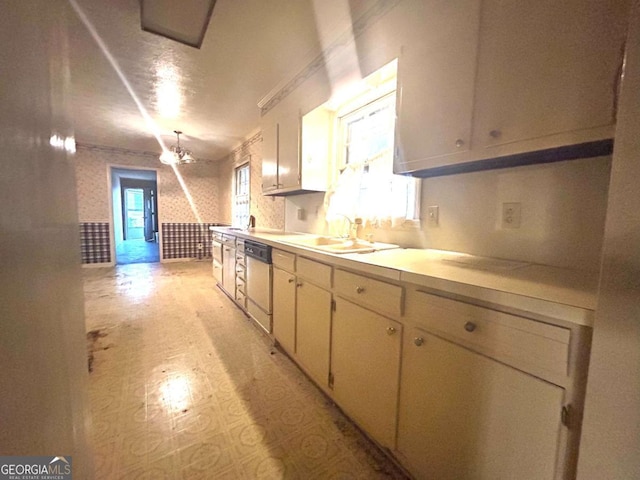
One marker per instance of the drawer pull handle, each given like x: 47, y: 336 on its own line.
x: 298, y: 284
x: 291, y: 280
x: 469, y: 326
x: 359, y: 289
x: 418, y: 341
x: 391, y: 330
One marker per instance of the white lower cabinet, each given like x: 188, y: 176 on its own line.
x: 229, y: 270
x: 284, y: 309
x: 365, y: 365
x: 453, y: 390
x: 465, y: 416
x: 313, y: 330
x: 302, y: 313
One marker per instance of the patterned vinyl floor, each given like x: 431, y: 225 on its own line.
x: 183, y: 386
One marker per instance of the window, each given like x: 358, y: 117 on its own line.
x: 366, y: 186
x: 241, y: 196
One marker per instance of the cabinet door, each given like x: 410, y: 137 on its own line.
x: 463, y: 415
x: 229, y: 270
x: 313, y: 329
x: 365, y: 363
x: 436, y: 74
x: 316, y: 149
x: 547, y: 67
x: 289, y: 151
x: 269, y: 154
x: 284, y: 309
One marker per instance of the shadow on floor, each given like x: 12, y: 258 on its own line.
x: 137, y: 251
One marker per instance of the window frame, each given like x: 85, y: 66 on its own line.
x: 387, y: 99
x: 241, y: 218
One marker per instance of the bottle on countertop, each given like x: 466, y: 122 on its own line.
x: 252, y: 222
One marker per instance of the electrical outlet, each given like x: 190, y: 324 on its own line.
x: 432, y: 216
x: 200, y: 246
x: 511, y: 215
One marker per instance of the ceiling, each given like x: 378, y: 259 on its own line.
x: 211, y: 93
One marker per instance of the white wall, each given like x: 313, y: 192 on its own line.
x: 610, y: 446
x: 43, y: 384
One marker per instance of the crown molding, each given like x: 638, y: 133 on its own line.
x: 281, y: 91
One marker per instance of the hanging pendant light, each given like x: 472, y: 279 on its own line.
x: 177, y: 155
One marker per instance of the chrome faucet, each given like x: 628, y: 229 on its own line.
x: 353, y: 226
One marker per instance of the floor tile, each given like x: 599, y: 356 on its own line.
x: 184, y: 386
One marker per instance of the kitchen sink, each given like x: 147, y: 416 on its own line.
x: 339, y: 245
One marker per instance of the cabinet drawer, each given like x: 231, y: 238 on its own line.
x: 284, y: 260
x: 380, y: 296
x: 241, y: 259
x: 317, y: 273
x: 229, y: 240
x: 537, y: 347
x: 241, y: 286
x: 241, y: 270
x: 241, y: 299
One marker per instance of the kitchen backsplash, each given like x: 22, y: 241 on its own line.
x: 563, y: 207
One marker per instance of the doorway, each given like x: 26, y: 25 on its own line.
x: 135, y: 215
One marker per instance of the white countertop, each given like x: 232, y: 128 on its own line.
x: 558, y: 293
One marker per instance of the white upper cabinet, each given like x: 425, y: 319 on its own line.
x: 548, y: 72
x: 295, y: 150
x: 269, y: 154
x: 289, y: 151
x: 436, y: 72
x: 495, y: 78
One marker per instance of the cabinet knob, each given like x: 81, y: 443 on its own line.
x: 391, y: 330
x: 291, y: 280
x: 359, y: 289
x: 459, y: 142
x: 298, y: 284
x: 495, y: 133
x: 418, y: 341
x: 469, y: 326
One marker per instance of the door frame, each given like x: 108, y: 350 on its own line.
x: 112, y: 233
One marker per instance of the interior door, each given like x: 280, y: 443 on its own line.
x: 149, y: 233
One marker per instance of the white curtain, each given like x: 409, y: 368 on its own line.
x: 370, y: 191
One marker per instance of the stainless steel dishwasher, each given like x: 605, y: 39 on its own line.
x: 259, y: 277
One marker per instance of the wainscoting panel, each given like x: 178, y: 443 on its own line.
x: 182, y: 240
x: 95, y: 246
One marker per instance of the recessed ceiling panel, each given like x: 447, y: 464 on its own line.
x: 185, y: 21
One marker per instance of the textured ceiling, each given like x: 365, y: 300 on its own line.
x: 250, y: 47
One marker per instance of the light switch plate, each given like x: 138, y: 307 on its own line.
x: 432, y: 216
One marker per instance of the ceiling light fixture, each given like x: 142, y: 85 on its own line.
x: 176, y: 155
